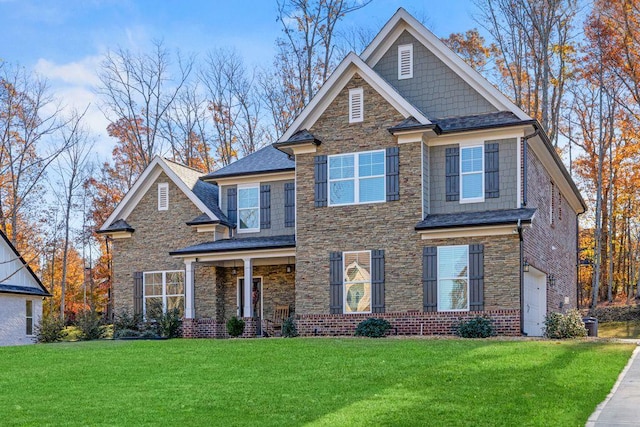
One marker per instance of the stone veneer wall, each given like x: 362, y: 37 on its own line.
x: 551, y: 249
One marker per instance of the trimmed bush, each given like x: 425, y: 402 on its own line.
x: 126, y: 333
x: 126, y: 320
x: 235, y: 326
x: 90, y: 324
x: 169, y: 324
x: 624, y: 313
x: 373, y: 328
x: 561, y: 326
x: 478, y: 327
x: 50, y: 328
x: 289, y: 329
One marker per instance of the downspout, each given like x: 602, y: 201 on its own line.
x: 578, y: 260
x: 525, y: 167
x: 521, y: 280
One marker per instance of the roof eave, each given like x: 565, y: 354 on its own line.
x: 438, y: 130
x: 486, y: 224
x: 208, y: 251
x: 212, y: 179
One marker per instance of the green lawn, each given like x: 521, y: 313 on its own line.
x: 307, y: 381
x: 629, y: 329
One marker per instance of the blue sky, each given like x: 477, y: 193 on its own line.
x: 63, y: 39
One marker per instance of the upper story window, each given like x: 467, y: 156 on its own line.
x: 453, y: 278
x: 472, y: 174
x: 357, y: 282
x: 357, y: 178
x: 163, y: 196
x: 405, y: 61
x: 356, y: 105
x: 248, y: 208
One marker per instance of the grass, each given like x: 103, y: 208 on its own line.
x: 629, y: 329
x: 319, y: 382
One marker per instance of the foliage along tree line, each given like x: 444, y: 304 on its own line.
x: 576, y: 70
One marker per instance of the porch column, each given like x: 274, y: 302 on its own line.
x: 248, y: 287
x: 189, y: 312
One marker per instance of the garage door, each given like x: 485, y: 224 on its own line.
x: 535, y: 302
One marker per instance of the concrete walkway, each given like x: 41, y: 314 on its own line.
x: 622, y: 405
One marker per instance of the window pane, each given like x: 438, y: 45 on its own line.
x: 357, y: 297
x: 29, y: 308
x: 472, y: 186
x: 153, y: 307
x: 471, y: 159
x: 29, y: 326
x: 371, y: 164
x: 249, y: 218
x: 372, y: 189
x: 341, y: 167
x: 176, y: 302
x: 357, y: 267
x: 341, y: 192
x: 248, y: 197
x: 452, y: 294
x: 175, y: 283
x: 152, y: 284
x: 452, y: 261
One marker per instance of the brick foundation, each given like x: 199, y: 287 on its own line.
x: 507, y: 323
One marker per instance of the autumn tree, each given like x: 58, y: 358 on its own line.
x: 470, y: 46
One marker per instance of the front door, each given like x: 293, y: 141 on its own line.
x: 535, y: 302
x: 256, y: 296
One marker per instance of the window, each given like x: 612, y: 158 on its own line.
x: 453, y: 278
x: 559, y: 206
x: 163, y: 196
x: 248, y: 208
x: 405, y: 61
x: 552, y: 204
x: 472, y: 174
x: 356, y: 105
x: 29, y: 316
x: 163, y: 291
x: 357, y: 178
x: 357, y: 282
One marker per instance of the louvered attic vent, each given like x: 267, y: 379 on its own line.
x: 405, y: 61
x: 163, y: 196
x: 356, y: 105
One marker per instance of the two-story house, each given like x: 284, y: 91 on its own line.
x: 409, y: 188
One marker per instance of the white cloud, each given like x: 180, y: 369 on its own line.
x: 80, y: 73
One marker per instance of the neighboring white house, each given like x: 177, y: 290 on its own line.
x: 21, y: 295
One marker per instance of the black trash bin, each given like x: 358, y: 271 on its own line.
x: 591, y: 323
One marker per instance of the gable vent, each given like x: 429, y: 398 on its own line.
x: 405, y: 61
x: 356, y: 107
x: 163, y: 196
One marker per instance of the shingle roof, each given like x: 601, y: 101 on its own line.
x: 119, y: 225
x: 26, y: 290
x: 248, y: 243
x: 477, y: 121
x: 300, y: 137
x: 266, y: 160
x: 408, y: 124
x: 201, y: 219
x: 466, y: 219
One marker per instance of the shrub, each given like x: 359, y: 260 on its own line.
x: 235, y: 326
x: 372, y: 328
x: 90, y: 324
x: 126, y: 333
x: 478, y: 327
x: 50, y: 328
x: 560, y: 326
x: 126, y: 320
x: 289, y: 329
x: 169, y: 324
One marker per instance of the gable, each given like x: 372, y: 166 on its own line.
x: 435, y: 88
x: 15, y: 275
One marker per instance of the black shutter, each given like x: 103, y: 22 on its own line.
x: 491, y: 171
x: 476, y: 277
x: 430, y: 278
x: 377, y: 281
x: 320, y: 171
x: 452, y: 174
x: 265, y: 206
x: 289, y: 204
x: 137, y: 293
x: 335, y: 282
x: 393, y: 174
x: 232, y: 205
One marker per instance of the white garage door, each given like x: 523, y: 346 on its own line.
x: 535, y: 302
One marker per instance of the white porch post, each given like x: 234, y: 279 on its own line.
x: 248, y: 287
x: 189, y: 312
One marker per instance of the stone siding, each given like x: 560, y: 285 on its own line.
x: 508, y: 173
x: 551, y: 248
x: 435, y: 89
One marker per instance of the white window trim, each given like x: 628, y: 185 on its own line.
x: 27, y: 317
x: 471, y: 199
x: 453, y: 278
x: 403, y: 48
x: 244, y: 187
x: 164, y: 289
x: 163, y: 186
x: 344, y: 283
x: 356, y: 178
x: 352, y: 92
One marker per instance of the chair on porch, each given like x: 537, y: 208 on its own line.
x: 280, y: 314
